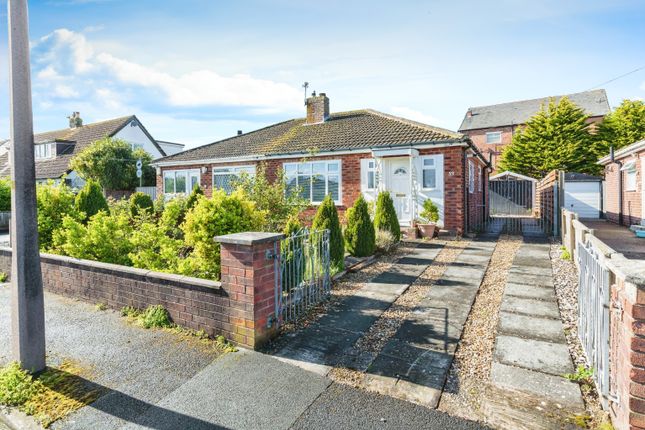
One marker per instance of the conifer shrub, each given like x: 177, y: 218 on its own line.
x: 90, y: 200
x: 385, y: 216
x: 360, y: 238
x: 139, y: 203
x: 327, y: 218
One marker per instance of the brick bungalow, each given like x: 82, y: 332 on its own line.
x: 345, y: 154
x: 624, y: 201
x: 491, y: 128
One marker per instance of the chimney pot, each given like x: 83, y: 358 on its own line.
x: 239, y: 132
x: 317, y: 108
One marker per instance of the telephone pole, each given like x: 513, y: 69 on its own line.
x: 27, y: 303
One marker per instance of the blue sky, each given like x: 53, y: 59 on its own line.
x: 195, y: 71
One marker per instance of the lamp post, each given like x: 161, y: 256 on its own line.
x: 27, y: 303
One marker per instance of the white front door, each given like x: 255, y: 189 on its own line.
x: 399, y: 187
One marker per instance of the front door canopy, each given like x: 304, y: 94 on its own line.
x: 395, y: 152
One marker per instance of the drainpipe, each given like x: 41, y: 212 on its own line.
x: 465, y: 187
x: 620, y: 184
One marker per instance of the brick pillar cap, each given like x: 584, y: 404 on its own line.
x: 249, y: 238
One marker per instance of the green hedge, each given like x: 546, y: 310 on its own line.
x: 359, y: 234
x: 90, y: 200
x: 385, y: 217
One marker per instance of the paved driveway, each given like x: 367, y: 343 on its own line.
x: 154, y: 379
x: 620, y: 239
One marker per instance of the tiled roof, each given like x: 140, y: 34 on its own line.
x: 361, y: 129
x: 81, y: 137
x: 594, y: 103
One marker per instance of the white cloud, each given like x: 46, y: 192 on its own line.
x: 414, y: 115
x: 65, y: 91
x: 67, y: 55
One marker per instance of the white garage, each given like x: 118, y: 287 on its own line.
x: 583, y: 194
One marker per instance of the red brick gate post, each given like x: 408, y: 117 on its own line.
x: 250, y: 263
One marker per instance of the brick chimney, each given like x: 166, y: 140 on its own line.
x: 317, y: 108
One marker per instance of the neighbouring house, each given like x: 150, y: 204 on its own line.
x: 624, y: 200
x: 55, y: 149
x: 345, y: 154
x: 491, y: 128
x: 170, y: 148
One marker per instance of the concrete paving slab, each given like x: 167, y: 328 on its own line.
x: 396, y: 277
x: 541, y: 356
x: 520, y: 305
x: 531, y: 270
x: 451, y: 293
x: 231, y: 394
x: 531, y: 327
x: 526, y: 279
x: 430, y: 334
x: 530, y: 292
x: 554, y: 388
x: 521, y: 260
x: 453, y: 312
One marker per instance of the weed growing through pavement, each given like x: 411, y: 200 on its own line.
x: 100, y: 307
x: 565, y: 255
x: 3, y: 277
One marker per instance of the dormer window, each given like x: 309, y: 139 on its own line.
x: 43, y: 151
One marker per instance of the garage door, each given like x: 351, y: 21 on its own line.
x: 583, y: 198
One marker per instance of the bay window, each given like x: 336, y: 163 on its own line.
x: 314, y: 179
x: 224, y: 177
x: 180, y: 181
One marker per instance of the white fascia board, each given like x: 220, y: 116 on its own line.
x: 302, y: 154
x: 628, y: 150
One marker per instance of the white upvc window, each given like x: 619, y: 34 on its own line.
x: 471, y: 177
x: 371, y: 175
x: 429, y: 173
x: 493, y: 137
x: 224, y: 177
x: 480, y: 178
x: 180, y: 181
x: 43, y: 151
x: 630, y: 175
x: 315, y: 179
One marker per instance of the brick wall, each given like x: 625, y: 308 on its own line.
x: 479, y: 139
x: 240, y: 307
x: 632, y: 200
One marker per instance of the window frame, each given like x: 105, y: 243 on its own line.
x: 298, y: 173
x: 49, y: 151
x: 471, y: 177
x: 492, y: 133
x: 480, y: 178
x: 424, y: 168
x: 631, y: 179
x: 236, y: 171
x: 189, y: 173
x: 371, y: 170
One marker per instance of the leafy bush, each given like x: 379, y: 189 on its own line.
x: 173, y: 217
x: 221, y: 214
x: 155, y: 316
x: 327, y: 218
x: 90, y: 200
x: 5, y: 195
x: 55, y: 202
x: 3, y: 277
x: 385, y: 217
x: 359, y: 234
x: 273, y: 197
x: 105, y: 238
x: 430, y: 211
x: 195, y: 194
x: 153, y: 248
x: 384, y: 241
x: 140, y: 202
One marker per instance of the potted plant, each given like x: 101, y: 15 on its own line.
x: 429, y: 217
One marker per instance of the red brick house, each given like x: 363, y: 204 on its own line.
x: 624, y: 197
x: 345, y: 154
x: 491, y: 128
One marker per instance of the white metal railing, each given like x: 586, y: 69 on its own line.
x: 151, y: 191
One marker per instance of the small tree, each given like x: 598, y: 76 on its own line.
x: 112, y: 163
x: 385, y: 216
x: 622, y: 127
x: 140, y: 202
x: 359, y: 234
x: 327, y: 218
x: 195, y: 194
x: 90, y: 200
x: 557, y: 137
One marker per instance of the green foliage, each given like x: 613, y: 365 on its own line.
x: 219, y: 215
x: 384, y: 241
x: 153, y: 248
x: 272, y: 197
x: 557, y: 137
x: 622, y: 127
x: 565, y: 255
x: 583, y: 374
x: 155, y: 316
x: 195, y: 194
x: 112, y: 163
x: 90, y: 200
x: 296, y: 271
x: 430, y: 211
x: 385, y: 217
x: 16, y: 385
x: 327, y: 218
x: 100, y: 307
x: 55, y: 202
x: 139, y: 203
x: 3, y: 277
x: 173, y: 216
x: 130, y: 311
x: 105, y: 238
x: 5, y: 194
x: 359, y: 234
